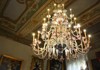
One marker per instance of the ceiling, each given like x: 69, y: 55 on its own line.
x: 19, y: 18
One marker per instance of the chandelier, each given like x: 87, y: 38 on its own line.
x: 61, y: 36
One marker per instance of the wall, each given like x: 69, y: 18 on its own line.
x: 17, y: 50
x: 91, y: 55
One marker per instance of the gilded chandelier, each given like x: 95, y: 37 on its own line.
x: 61, y: 36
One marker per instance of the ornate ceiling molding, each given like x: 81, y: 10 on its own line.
x: 25, y: 16
x: 90, y: 15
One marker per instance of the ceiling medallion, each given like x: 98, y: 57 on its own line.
x: 61, y: 36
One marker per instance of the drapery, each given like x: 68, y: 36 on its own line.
x: 77, y: 64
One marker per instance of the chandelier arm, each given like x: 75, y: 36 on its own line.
x: 39, y: 50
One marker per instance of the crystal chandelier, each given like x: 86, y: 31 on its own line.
x: 61, y: 36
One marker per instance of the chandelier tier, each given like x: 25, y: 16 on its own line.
x: 61, y: 36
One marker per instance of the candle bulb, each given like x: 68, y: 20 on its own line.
x: 33, y: 34
x: 55, y: 5
x: 48, y: 16
x: 38, y: 34
x: 48, y: 11
x: 84, y: 32
x: 35, y: 41
x: 53, y: 51
x: 63, y: 6
x: 44, y: 19
x: 89, y: 36
x: 71, y: 16
x: 78, y: 26
x: 58, y: 5
x: 70, y: 11
x: 75, y: 20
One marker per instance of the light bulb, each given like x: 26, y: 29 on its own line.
x: 78, y: 25
x: 38, y: 31
x: 55, y: 4
x: 74, y: 18
x: 71, y: 15
x: 84, y: 30
x: 33, y: 34
x: 48, y: 9
x: 89, y: 36
x: 64, y: 14
x: 75, y: 27
x: 69, y: 25
x: 44, y: 19
x: 70, y: 9
x: 55, y: 14
x: 48, y: 16
x: 63, y: 5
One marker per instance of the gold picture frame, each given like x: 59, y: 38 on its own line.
x: 36, y: 62
x: 50, y: 65
x: 10, y: 63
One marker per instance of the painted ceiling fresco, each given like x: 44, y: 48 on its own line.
x: 15, y: 13
x: 19, y: 18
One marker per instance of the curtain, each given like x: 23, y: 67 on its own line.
x: 77, y: 64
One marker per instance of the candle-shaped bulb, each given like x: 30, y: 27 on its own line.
x: 48, y: 10
x: 33, y: 34
x: 71, y: 15
x: 44, y: 19
x: 39, y: 32
x: 58, y: 5
x: 78, y: 25
x: 64, y: 14
x: 63, y: 6
x: 74, y: 18
x: 69, y: 25
x: 70, y: 10
x: 35, y: 41
x: 75, y: 27
x: 48, y: 16
x: 84, y: 30
x: 55, y: 14
x: 89, y: 36
x: 55, y: 4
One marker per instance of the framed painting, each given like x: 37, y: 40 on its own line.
x: 95, y: 64
x: 97, y: 54
x: 9, y: 63
x: 36, y: 64
x: 56, y: 65
x: 96, y: 61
